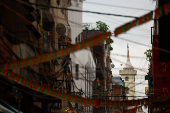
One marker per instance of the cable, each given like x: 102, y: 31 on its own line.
x: 145, y: 80
x: 138, y: 26
x: 132, y: 41
x: 78, y: 10
x: 52, y: 34
x: 139, y: 83
x: 111, y: 21
x: 118, y: 6
x: 140, y: 64
x: 132, y: 81
x: 27, y: 91
x: 125, y: 55
x: 144, y: 44
x: 61, y: 84
x: 148, y: 37
x: 113, y: 82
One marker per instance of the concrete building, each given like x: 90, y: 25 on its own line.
x: 83, y: 72
x: 159, y: 82
x: 22, y: 39
x: 82, y: 65
x: 128, y: 75
x: 75, y: 19
x: 103, y: 74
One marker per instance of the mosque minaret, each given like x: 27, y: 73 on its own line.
x: 128, y: 75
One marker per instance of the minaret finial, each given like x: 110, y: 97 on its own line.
x: 128, y: 59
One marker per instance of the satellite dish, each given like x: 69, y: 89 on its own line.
x: 60, y: 29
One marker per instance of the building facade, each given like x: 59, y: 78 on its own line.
x: 28, y: 30
x: 103, y: 78
x: 75, y: 19
x: 82, y: 63
x: 158, y: 76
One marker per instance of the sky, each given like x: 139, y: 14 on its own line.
x: 141, y: 34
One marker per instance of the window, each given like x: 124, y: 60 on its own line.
x: 126, y: 78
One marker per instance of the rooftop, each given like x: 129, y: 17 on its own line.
x: 117, y: 80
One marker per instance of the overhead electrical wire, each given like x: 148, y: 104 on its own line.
x: 142, y: 58
x: 141, y: 62
x: 69, y: 42
x: 141, y: 82
x: 131, y: 56
x: 88, y: 80
x: 125, y: 7
x: 111, y: 21
x: 139, y: 78
x: 24, y: 90
x: 148, y: 37
x: 143, y: 45
x: 132, y: 41
x: 78, y: 10
x: 112, y: 82
x: 153, y: 75
x: 138, y: 26
x: 124, y: 55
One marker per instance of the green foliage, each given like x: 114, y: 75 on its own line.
x: 148, y: 53
x: 110, y: 47
x: 109, y: 40
x: 86, y: 26
x: 102, y: 26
